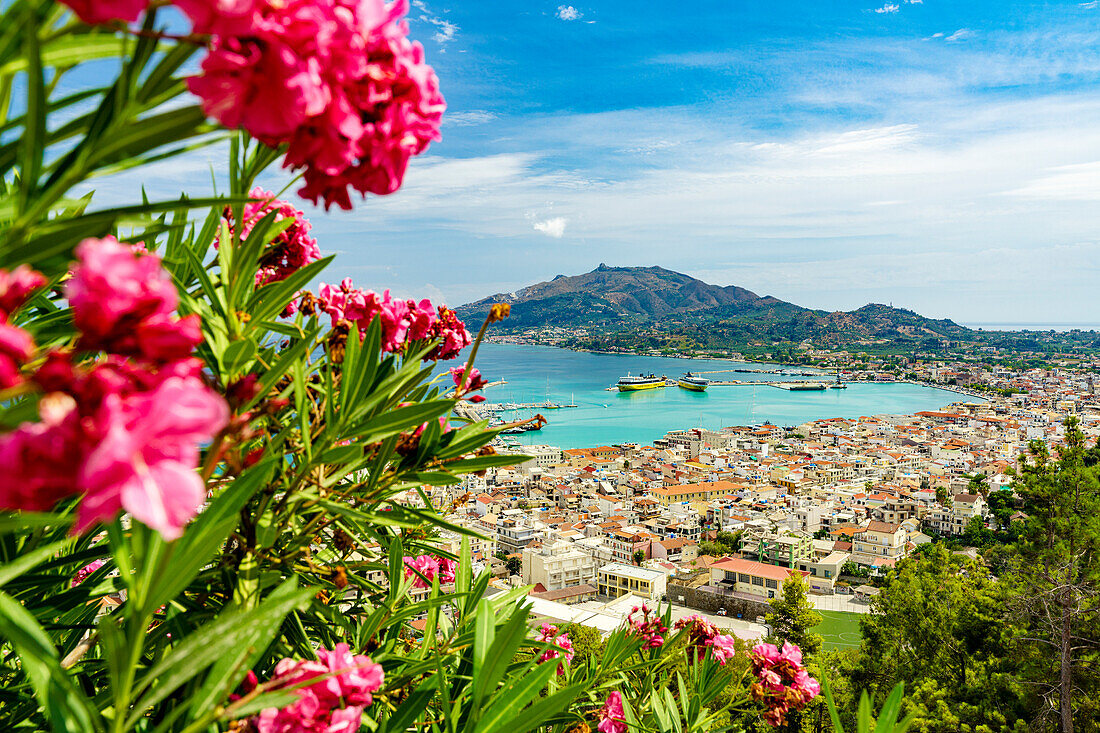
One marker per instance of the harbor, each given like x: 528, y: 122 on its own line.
x: 545, y: 380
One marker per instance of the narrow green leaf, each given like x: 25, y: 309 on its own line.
x: 66, y: 707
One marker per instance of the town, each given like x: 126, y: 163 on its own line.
x: 717, y: 520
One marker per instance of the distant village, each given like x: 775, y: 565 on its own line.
x: 717, y: 520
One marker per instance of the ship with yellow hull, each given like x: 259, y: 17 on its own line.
x: 634, y: 384
x: 695, y: 384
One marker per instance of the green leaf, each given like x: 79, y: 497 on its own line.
x: 230, y: 630
x: 68, y: 51
x: 34, y: 129
x: 66, y: 708
x: 29, y: 559
x: 863, y: 715
x: 237, y: 356
x: 833, y: 715
x: 402, y: 419
x: 888, y: 715
x: 270, y: 300
x: 415, y: 704
x: 287, y: 358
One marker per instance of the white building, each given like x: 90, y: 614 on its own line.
x: 558, y: 565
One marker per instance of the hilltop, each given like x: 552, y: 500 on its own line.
x: 621, y: 303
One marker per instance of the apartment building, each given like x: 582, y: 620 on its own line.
x: 738, y: 575
x: 618, y: 579
x: 513, y: 536
x: 879, y: 544
x: 558, y: 565
x: 697, y: 492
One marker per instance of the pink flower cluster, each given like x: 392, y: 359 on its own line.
x: 648, y: 626
x: 612, y: 719
x: 84, y: 572
x: 16, y: 345
x: 474, y: 381
x: 123, y: 431
x: 123, y: 301
x: 291, y: 250
x: 782, y: 683
x: 334, y: 703
x: 703, y: 635
x: 403, y: 321
x: 338, y: 81
x: 16, y: 288
x: 424, y: 568
x: 549, y: 635
x: 95, y: 12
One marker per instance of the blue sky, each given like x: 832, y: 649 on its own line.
x: 940, y: 155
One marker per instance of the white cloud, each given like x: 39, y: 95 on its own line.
x: 445, y: 29
x: 914, y: 2
x: 1080, y: 182
x: 468, y: 118
x: 554, y: 227
x: 1090, y: 5
x: 959, y: 35
x: 887, y: 8
x: 568, y: 12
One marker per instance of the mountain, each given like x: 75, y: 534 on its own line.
x: 621, y: 294
x: 618, y: 299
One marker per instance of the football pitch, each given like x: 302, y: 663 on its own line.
x: 839, y: 629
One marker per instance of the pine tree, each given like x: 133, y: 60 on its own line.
x: 1059, y: 572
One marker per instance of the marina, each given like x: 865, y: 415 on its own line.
x: 545, y: 380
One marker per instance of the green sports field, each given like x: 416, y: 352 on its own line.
x: 839, y: 629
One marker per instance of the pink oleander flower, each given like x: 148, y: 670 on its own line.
x: 122, y: 302
x: 452, y: 332
x: 648, y: 626
x: 338, y: 80
x: 549, y: 635
x: 422, y: 565
x: 95, y: 12
x: 704, y: 636
x: 334, y: 703
x: 145, y: 458
x: 84, y: 572
x: 429, y: 566
x: 16, y: 348
x: 292, y: 250
x: 474, y: 380
x: 447, y: 568
x: 16, y: 287
x: 259, y: 84
x: 612, y: 718
x: 402, y: 321
x: 781, y: 682
x: 40, y: 459
x: 221, y: 17
x: 722, y: 648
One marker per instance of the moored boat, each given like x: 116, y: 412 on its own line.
x: 633, y: 384
x: 695, y: 384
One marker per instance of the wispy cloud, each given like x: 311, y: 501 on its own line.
x: 1090, y: 5
x: 469, y: 118
x: 960, y: 35
x: 888, y: 8
x: 554, y: 227
x: 568, y: 12
x: 445, y: 29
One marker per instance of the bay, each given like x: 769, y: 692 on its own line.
x: 537, y: 373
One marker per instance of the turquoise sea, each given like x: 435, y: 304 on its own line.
x: 534, y: 373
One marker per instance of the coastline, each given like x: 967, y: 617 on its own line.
x: 743, y: 360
